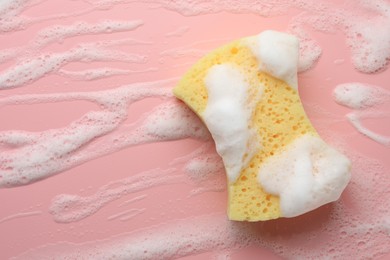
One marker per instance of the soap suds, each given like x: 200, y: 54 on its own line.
x: 13, y: 19
x: 359, y: 95
x: 277, y: 54
x: 94, y: 74
x: 344, y: 230
x: 175, y: 240
x: 67, y: 208
x: 58, y: 33
x: 32, y: 69
x: 354, y: 119
x: 227, y: 116
x: 365, y: 99
x: 42, y: 154
x: 306, y: 175
x: 205, y: 171
x: 370, y: 48
x: 309, y: 50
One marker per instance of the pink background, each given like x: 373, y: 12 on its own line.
x: 166, y: 203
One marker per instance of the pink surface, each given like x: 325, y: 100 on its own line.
x: 169, y: 40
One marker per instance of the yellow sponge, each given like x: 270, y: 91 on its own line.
x: 278, y: 119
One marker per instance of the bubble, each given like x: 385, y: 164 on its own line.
x: 357, y: 95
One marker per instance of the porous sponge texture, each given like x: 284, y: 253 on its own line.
x: 278, y: 119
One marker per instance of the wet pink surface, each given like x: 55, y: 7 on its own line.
x: 171, y: 41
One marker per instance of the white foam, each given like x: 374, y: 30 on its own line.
x: 227, y: 116
x: 67, y: 208
x: 95, y: 74
x: 359, y: 95
x: 370, y: 48
x: 277, y: 54
x: 172, y: 121
x: 354, y: 119
x: 42, y: 154
x: 204, y: 168
x: 32, y: 69
x: 58, y: 33
x: 13, y: 20
x: 174, y: 240
x: 306, y: 175
x: 309, y: 49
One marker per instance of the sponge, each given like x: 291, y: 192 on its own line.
x: 276, y: 164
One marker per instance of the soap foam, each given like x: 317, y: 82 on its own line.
x: 346, y: 232
x: 95, y: 74
x: 32, y: 69
x: 67, y: 208
x: 370, y: 48
x: 58, y: 33
x: 179, y: 122
x: 40, y: 155
x: 309, y: 50
x: 205, y: 168
x: 306, y: 175
x: 13, y: 20
x: 277, y: 54
x: 363, y: 97
x: 174, y: 240
x: 227, y: 116
x: 359, y: 95
x: 354, y: 119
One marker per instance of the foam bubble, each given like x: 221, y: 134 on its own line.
x: 307, y: 175
x: 60, y: 32
x: 172, y: 121
x: 40, y: 155
x: 174, y: 240
x: 67, y: 208
x: 205, y: 168
x: 95, y: 74
x: 354, y: 119
x: 32, y: 69
x: 227, y: 116
x: 277, y: 54
x: 309, y: 50
x: 370, y: 48
x: 359, y: 95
